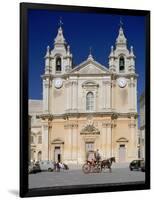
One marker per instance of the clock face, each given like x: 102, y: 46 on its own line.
x: 122, y: 82
x: 58, y: 83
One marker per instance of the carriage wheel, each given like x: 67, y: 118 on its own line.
x: 86, y: 168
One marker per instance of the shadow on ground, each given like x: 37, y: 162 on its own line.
x: 14, y: 192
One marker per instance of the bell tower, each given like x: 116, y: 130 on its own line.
x: 122, y: 65
x: 60, y: 57
x: 121, y: 60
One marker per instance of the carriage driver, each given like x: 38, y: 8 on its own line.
x: 97, y: 156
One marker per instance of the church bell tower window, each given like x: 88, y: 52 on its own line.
x: 58, y: 64
x: 121, y: 64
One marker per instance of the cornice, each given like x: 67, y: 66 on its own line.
x: 128, y: 75
x: 69, y: 74
x: 113, y: 115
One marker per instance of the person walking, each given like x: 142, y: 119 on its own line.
x: 97, y: 156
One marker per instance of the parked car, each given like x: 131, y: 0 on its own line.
x: 136, y: 165
x: 46, y: 165
x: 34, y: 168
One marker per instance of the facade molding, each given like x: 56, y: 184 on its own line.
x: 67, y: 115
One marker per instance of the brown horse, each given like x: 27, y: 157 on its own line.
x: 107, y: 163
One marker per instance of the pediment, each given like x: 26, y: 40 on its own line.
x: 57, y: 141
x: 90, y: 67
x: 122, y: 139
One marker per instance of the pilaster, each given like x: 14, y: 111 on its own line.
x: 106, y: 94
x: 45, y: 140
x: 68, y: 95
x: 133, y: 138
x: 132, y: 94
x: 107, y: 127
x: 74, y: 95
x: 113, y: 94
x: 46, y: 93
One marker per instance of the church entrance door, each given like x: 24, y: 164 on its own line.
x: 57, y: 154
x: 90, y: 150
x: 122, y: 153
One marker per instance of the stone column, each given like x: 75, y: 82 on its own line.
x: 45, y: 141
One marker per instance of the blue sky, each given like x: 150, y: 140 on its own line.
x: 81, y: 31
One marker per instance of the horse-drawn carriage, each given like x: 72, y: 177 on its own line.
x: 97, y: 166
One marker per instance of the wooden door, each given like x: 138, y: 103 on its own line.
x: 122, y: 153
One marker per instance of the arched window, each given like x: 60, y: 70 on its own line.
x: 33, y: 155
x: 39, y: 156
x: 121, y: 63
x: 90, y: 101
x: 58, y: 64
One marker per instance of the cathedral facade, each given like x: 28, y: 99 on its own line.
x: 86, y: 107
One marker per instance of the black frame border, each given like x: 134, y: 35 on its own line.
x: 76, y: 189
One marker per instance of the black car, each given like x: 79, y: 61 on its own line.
x: 137, y: 165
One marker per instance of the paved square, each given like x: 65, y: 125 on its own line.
x: 77, y: 177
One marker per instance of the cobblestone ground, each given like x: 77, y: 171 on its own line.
x: 77, y: 177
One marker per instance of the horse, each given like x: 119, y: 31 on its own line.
x: 107, y: 163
